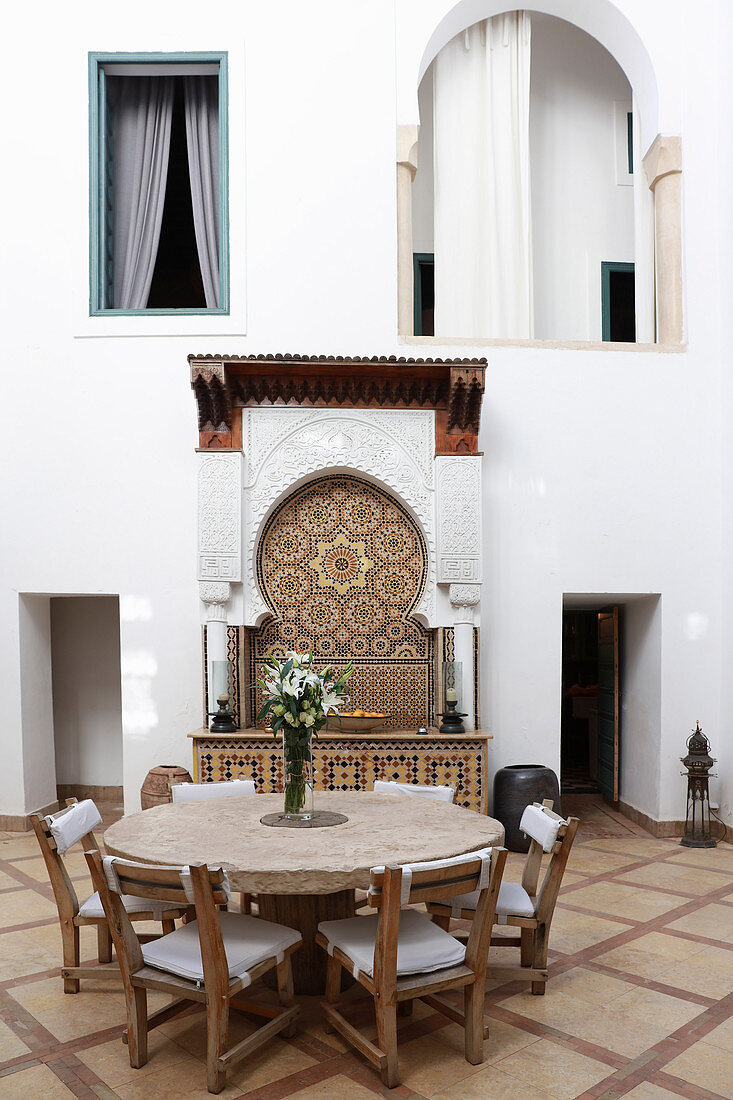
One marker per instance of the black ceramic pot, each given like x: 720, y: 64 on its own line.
x: 514, y: 788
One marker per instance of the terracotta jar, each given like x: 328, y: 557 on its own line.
x: 156, y: 788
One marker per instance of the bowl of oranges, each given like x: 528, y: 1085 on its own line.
x: 357, y: 721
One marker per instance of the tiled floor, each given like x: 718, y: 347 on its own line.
x: 640, y: 1002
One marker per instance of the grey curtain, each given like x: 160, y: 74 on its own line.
x: 142, y: 137
x: 202, y: 135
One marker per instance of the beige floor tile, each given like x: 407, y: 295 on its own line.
x: 573, y: 932
x: 561, y: 1072
x: 23, y: 906
x: 185, y: 1079
x: 428, y: 1065
x: 714, y: 921
x: 37, y: 1081
x: 28, y: 952
x: 594, y: 862
x: 503, y: 1039
x: 111, y: 1061
x: 7, y: 882
x: 722, y: 1035
x: 490, y: 1084
x: 98, y: 1006
x: 608, y: 1026
x: 591, y: 986
x: 639, y: 847
x: 336, y: 1088
x: 651, y: 955
x: 624, y: 901
x: 76, y: 868
x: 10, y: 1045
x: 647, y: 1091
x: 660, y: 1012
x: 673, y: 876
x: 709, y: 973
x: 707, y: 1066
x: 19, y: 845
x: 720, y: 857
x: 273, y: 1061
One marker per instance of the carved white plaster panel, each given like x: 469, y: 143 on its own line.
x: 220, y: 517
x: 459, y: 519
x: 283, y: 446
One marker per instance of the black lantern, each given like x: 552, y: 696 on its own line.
x: 698, y: 763
x: 222, y: 720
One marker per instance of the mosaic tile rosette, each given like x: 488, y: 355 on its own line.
x: 342, y: 565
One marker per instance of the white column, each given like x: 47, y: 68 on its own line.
x: 464, y: 599
x: 215, y: 595
x: 663, y: 166
x: 406, y: 169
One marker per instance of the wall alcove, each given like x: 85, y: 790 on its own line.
x: 342, y: 565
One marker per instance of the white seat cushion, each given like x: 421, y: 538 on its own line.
x: 196, y: 792
x: 537, y: 824
x: 513, y: 901
x: 440, y: 794
x: 92, y: 907
x: 421, y: 946
x: 247, y: 942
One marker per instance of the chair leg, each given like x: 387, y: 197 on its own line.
x: 286, y: 992
x: 169, y: 925
x: 526, y: 947
x: 217, y: 1034
x: 441, y: 921
x: 404, y: 1008
x: 104, y: 943
x: 387, y: 1039
x: 245, y: 903
x: 333, y: 986
x: 473, y: 1023
x: 70, y: 953
x: 539, y: 960
x: 137, y: 1028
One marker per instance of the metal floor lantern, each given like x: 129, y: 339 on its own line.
x: 698, y: 763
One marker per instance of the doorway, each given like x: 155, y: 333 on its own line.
x: 590, y: 754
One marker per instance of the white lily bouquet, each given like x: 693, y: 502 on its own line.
x: 299, y: 701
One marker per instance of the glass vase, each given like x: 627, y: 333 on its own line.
x: 298, y: 773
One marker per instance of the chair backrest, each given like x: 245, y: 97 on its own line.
x: 392, y: 887
x: 199, y: 885
x: 440, y: 794
x: 551, y: 834
x: 195, y: 792
x: 58, y: 832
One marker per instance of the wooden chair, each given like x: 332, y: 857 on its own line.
x: 197, y: 792
x: 56, y: 834
x: 524, y: 906
x: 207, y: 961
x: 440, y: 794
x: 399, y: 954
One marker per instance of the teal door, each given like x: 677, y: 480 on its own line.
x: 609, y: 703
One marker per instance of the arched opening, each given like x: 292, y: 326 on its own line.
x: 525, y: 220
x: 342, y: 565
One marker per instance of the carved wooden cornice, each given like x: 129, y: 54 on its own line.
x: 224, y: 384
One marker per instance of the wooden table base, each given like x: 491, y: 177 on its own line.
x: 305, y: 912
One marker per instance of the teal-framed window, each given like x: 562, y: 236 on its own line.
x: 617, y: 301
x: 101, y: 172
x: 423, y: 270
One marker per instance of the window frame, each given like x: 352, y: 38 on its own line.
x: 419, y: 258
x: 97, y: 61
x: 608, y: 267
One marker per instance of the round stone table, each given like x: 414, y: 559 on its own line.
x: 302, y: 876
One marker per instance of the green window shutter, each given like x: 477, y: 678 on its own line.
x: 106, y: 196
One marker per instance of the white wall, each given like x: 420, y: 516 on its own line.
x: 39, y: 779
x: 87, y: 706
x: 641, y: 705
x: 581, y: 215
x: 602, y: 468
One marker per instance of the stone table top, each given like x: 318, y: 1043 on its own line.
x: 382, y: 828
